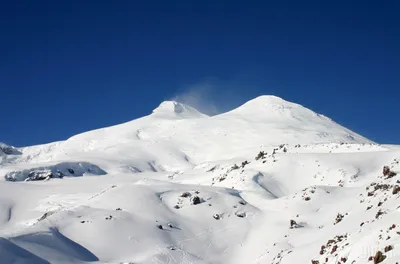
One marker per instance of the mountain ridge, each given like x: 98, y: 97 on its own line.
x: 268, y: 182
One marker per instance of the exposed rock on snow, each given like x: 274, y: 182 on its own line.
x: 8, y: 150
x: 55, y: 171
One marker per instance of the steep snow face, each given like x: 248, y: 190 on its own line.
x: 268, y: 182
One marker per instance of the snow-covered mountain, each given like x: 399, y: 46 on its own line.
x: 268, y: 182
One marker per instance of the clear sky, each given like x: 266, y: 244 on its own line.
x: 71, y: 66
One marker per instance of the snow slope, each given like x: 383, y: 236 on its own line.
x: 178, y: 186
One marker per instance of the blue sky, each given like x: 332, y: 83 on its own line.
x: 71, y: 66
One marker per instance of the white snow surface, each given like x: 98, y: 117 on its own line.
x: 178, y: 186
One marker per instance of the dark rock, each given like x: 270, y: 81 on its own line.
x: 260, y: 155
x: 379, y: 213
x: 334, y: 248
x: 339, y: 218
x: 396, y: 189
x: 385, y: 170
x: 244, y: 163
x: 388, y: 248
x: 196, y: 200
x: 379, y: 257
x: 160, y: 227
x: 186, y: 194
x: 39, y: 175
x: 293, y: 224
x: 234, y: 167
x: 241, y: 215
x: 217, y: 216
x: 59, y: 174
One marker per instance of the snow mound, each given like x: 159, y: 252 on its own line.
x: 55, y: 171
x: 172, y: 109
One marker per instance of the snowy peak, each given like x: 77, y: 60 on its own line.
x: 172, y: 109
x: 276, y: 109
x: 268, y: 105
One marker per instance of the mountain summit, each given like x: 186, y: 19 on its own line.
x: 172, y: 109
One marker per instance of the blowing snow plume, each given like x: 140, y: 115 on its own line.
x: 211, y: 98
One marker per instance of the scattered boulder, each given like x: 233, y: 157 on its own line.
x: 385, y: 170
x: 71, y: 171
x: 242, y: 202
x: 388, y: 173
x: 379, y: 257
x: 241, y: 215
x: 379, y: 213
x: 217, y: 216
x: 388, y: 248
x: 186, y: 194
x: 396, y: 189
x: 334, y: 248
x: 160, y: 227
x: 196, y: 200
x: 339, y: 218
x: 260, y: 155
x: 234, y: 167
x: 293, y: 224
